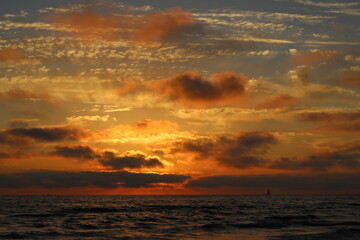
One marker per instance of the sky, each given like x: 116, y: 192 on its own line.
x: 179, y: 97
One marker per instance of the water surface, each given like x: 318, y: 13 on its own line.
x: 180, y: 217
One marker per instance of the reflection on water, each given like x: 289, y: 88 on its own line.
x: 180, y: 217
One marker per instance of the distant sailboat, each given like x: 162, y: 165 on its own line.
x: 268, y: 192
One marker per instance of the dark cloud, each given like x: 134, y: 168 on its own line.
x: 242, y: 151
x: 63, y: 179
x: 192, y: 89
x: 277, y: 101
x: 346, y: 122
x: 332, y: 182
x: 345, y: 157
x: 4, y: 155
x: 24, y: 136
x: 107, y: 158
x: 129, y: 160
x: 329, y: 117
x: 81, y: 152
x: 15, y: 155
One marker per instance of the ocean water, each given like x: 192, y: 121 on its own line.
x: 282, y: 217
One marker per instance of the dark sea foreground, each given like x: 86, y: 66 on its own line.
x: 281, y: 217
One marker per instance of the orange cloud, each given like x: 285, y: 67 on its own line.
x: 191, y: 89
x: 277, y: 101
x: 90, y: 25
x: 11, y: 54
x: 153, y: 27
x: 156, y: 26
x: 351, y: 78
x: 126, y: 88
x: 29, y: 95
x: 313, y: 58
x: 329, y: 117
x: 333, y: 122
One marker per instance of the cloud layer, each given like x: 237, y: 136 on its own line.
x: 345, y: 157
x: 344, y: 122
x: 12, y: 55
x: 327, y: 183
x: 147, y: 28
x: 62, y: 179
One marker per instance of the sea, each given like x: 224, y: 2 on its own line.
x: 251, y: 217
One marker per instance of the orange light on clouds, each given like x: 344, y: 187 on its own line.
x: 154, y: 27
x: 314, y: 58
x: 12, y: 54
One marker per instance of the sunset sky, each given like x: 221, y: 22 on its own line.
x: 179, y: 97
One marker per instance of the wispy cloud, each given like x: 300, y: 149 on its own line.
x: 149, y: 28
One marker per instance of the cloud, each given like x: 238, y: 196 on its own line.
x: 151, y: 27
x: 90, y: 25
x: 27, y: 95
x: 26, y: 136
x: 328, y: 4
x: 157, y: 26
x: 244, y: 150
x: 192, y: 89
x: 347, y: 157
x: 4, y: 155
x: 277, y: 101
x: 81, y: 120
x: 108, y: 158
x: 22, y: 123
x: 12, y: 55
x: 329, y: 117
x: 153, y: 126
x: 313, y: 58
x: 351, y: 78
x: 81, y: 152
x: 22, y: 14
x: 127, y: 88
x: 16, y: 155
x: 64, y: 179
x: 300, y: 75
x: 146, y: 132
x: 285, y: 183
x: 129, y: 160
x: 345, y: 122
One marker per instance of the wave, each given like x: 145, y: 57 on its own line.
x: 343, y: 234
x: 90, y: 210
x: 285, y: 221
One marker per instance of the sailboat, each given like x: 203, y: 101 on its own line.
x: 268, y: 192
